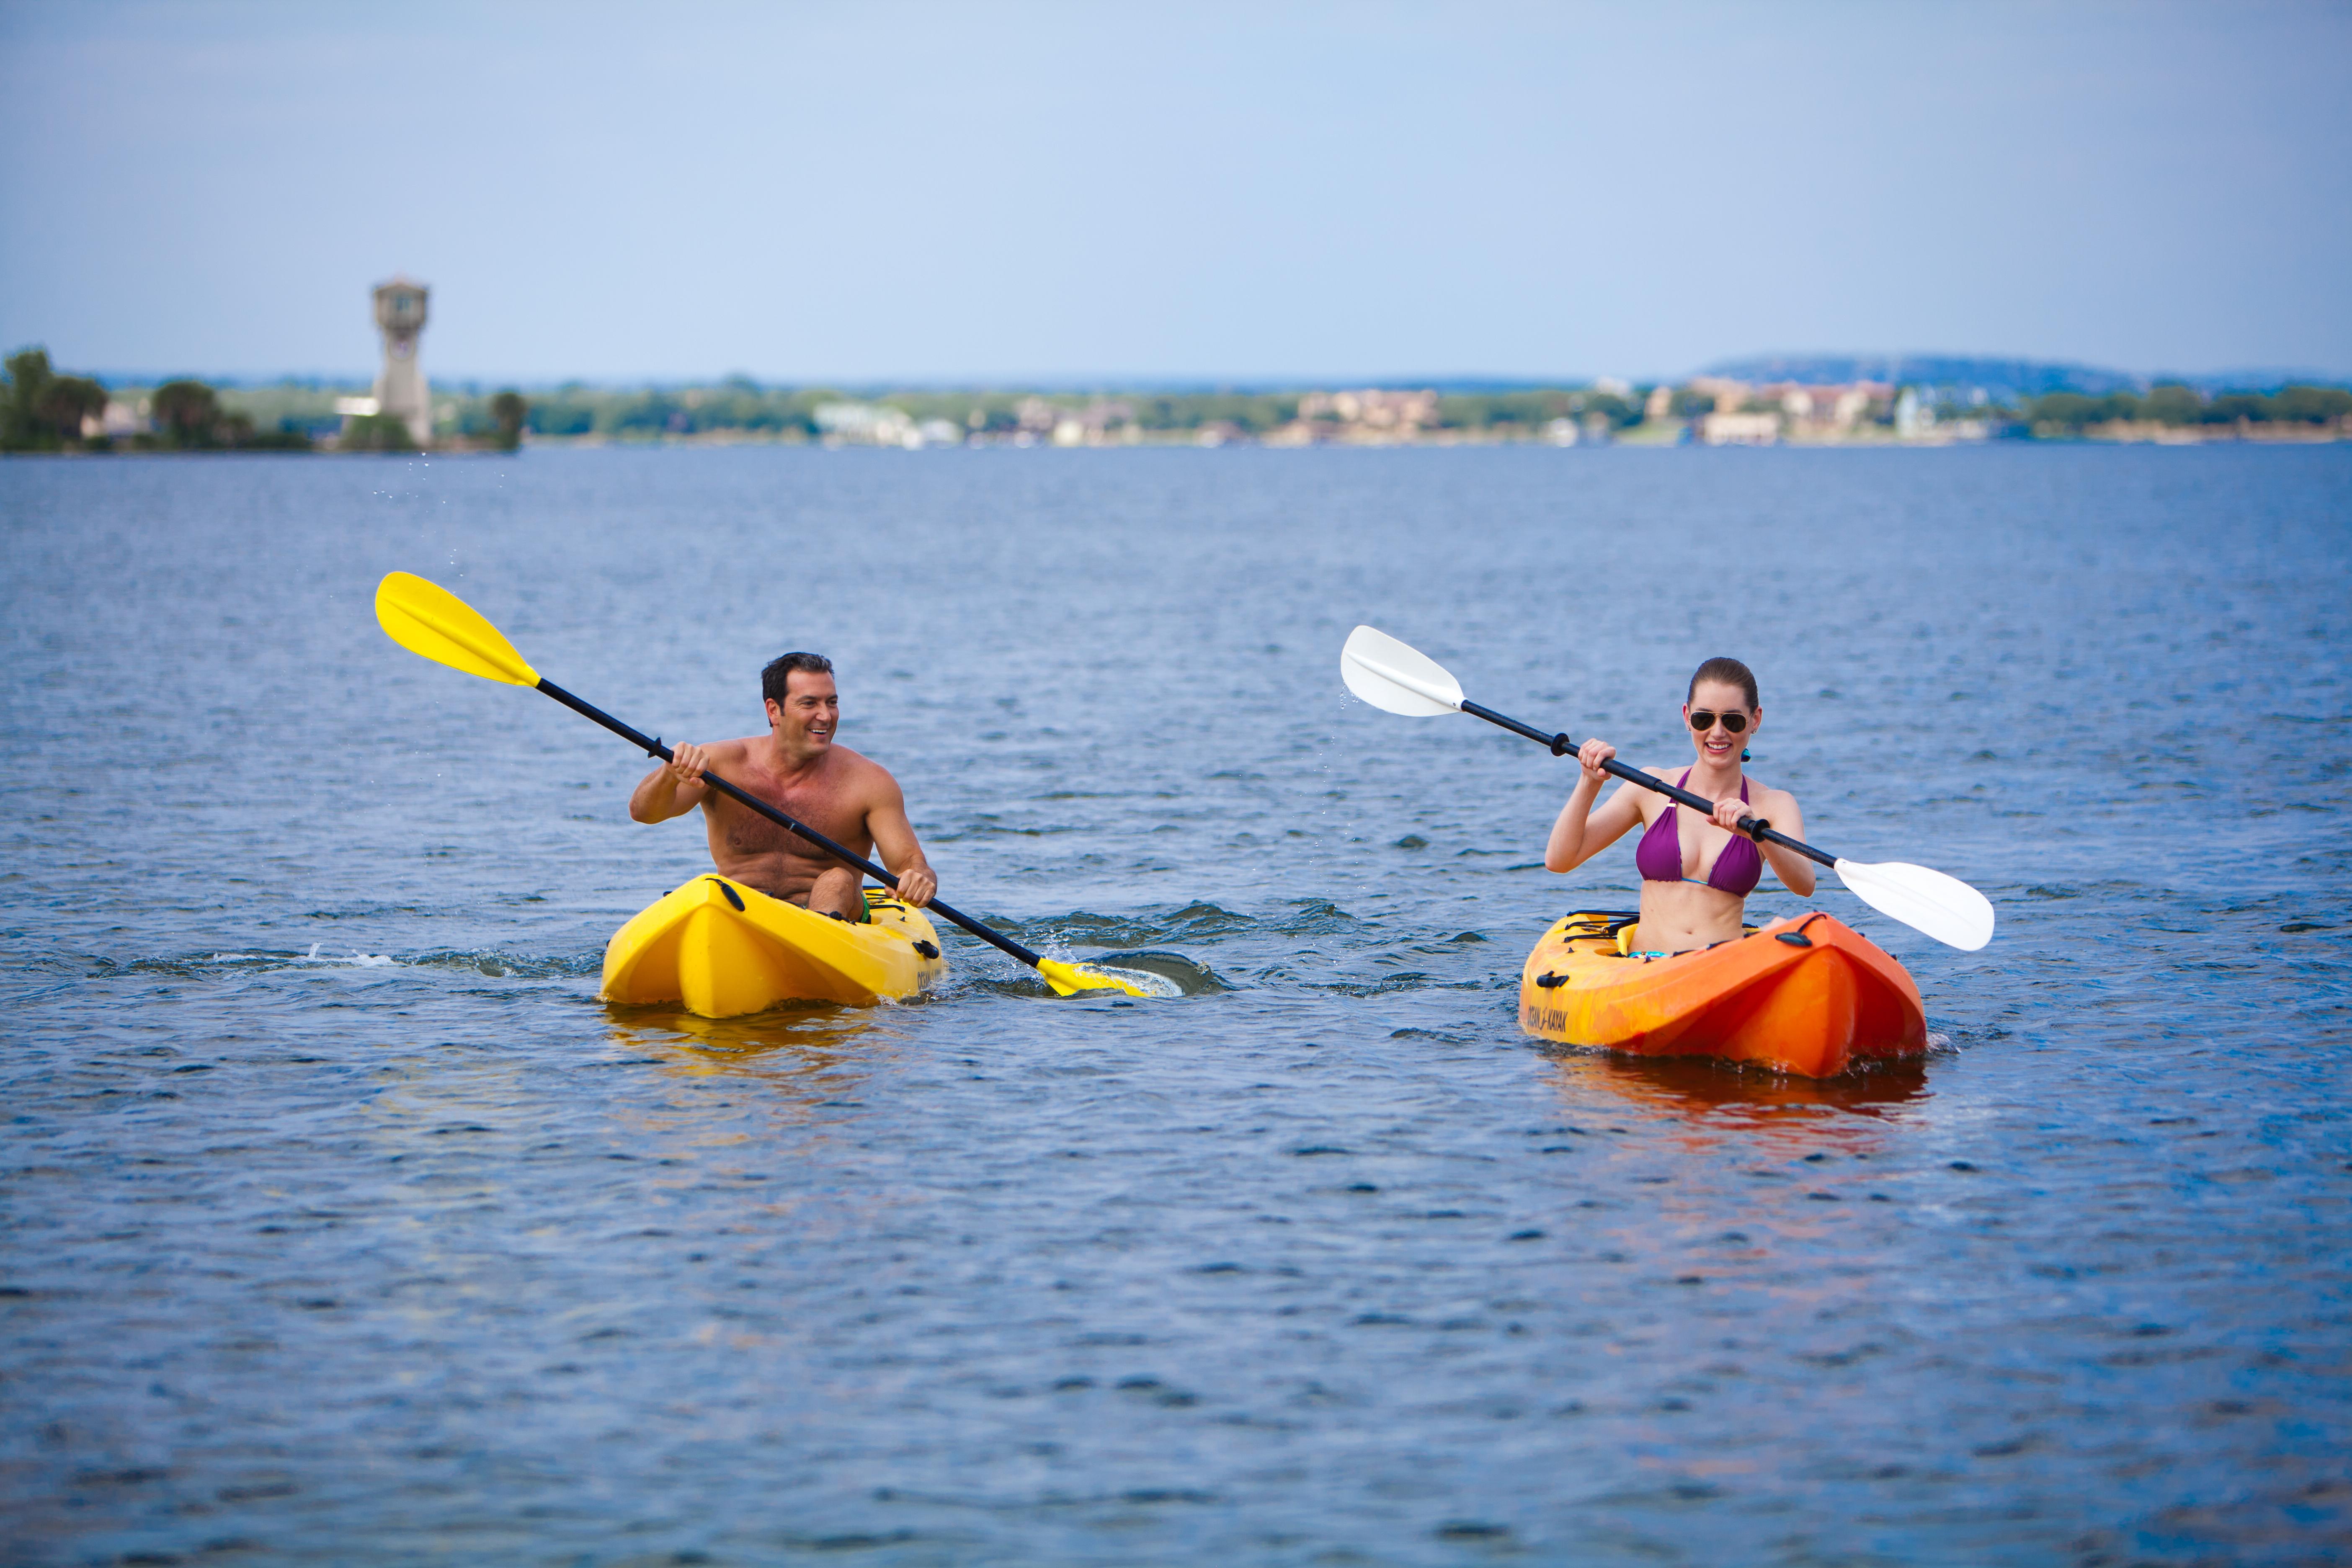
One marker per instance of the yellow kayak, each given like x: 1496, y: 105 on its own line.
x: 724, y: 949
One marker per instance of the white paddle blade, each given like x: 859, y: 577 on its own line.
x: 1388, y: 674
x: 1943, y: 906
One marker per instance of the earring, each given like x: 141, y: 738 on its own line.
x: 1745, y: 755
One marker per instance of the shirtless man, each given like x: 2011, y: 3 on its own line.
x: 797, y: 768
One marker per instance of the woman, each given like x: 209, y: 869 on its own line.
x: 1696, y: 871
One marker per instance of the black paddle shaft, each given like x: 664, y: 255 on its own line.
x: 1755, y: 827
x: 652, y: 747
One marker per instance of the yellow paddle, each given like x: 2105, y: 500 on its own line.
x: 426, y: 619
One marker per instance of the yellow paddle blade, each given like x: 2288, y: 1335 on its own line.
x: 426, y: 619
x: 1069, y: 979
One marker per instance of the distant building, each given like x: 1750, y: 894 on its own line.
x: 1728, y: 394
x: 120, y: 419
x: 400, y: 388
x: 1913, y: 419
x: 1819, y: 412
x: 1370, y: 415
x: 1739, y: 429
x: 1105, y: 421
x: 866, y: 425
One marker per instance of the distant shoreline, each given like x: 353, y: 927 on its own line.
x: 51, y: 411
x: 723, y: 440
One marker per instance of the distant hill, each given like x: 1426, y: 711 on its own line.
x: 2005, y: 380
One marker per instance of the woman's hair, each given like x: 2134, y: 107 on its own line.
x: 1730, y: 672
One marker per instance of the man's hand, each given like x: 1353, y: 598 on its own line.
x: 916, y: 885
x: 673, y: 789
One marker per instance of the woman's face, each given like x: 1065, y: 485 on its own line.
x: 1717, y: 743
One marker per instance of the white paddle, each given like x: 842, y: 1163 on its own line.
x: 1390, y: 675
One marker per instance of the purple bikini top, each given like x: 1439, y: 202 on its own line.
x: 1659, y: 855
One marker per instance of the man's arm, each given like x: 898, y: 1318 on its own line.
x: 674, y: 788
x: 895, y: 844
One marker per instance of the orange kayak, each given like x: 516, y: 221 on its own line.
x: 1805, y: 995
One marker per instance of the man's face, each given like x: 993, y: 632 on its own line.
x: 809, y: 711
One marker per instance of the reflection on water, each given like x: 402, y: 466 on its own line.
x: 1700, y: 1089
x: 815, y: 1037
x: 1712, y: 1111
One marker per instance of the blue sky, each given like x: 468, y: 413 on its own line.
x: 1178, y: 192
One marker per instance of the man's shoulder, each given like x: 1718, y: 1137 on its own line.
x: 737, y: 758
x: 860, y: 771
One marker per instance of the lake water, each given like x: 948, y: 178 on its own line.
x: 343, y: 1224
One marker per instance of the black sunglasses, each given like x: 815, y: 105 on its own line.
x: 1702, y: 720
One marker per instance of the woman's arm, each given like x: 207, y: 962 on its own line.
x: 1581, y: 832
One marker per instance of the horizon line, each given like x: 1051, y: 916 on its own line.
x: 1257, y: 385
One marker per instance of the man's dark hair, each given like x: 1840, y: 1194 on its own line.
x: 775, y: 682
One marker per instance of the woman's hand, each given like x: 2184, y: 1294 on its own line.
x: 1583, y: 829
x: 1727, y: 814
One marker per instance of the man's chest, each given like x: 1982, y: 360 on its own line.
x: 819, y: 804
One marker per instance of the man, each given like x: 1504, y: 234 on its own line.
x: 797, y: 768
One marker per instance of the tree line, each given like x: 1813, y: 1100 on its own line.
x: 741, y: 404
x: 2172, y: 403
x: 791, y: 412
x: 42, y: 410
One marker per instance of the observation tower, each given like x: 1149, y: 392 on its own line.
x: 400, y: 388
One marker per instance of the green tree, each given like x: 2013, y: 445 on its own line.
x: 1620, y: 414
x: 70, y: 400
x: 1689, y: 405
x: 2170, y: 403
x: 188, y: 412
x: 377, y: 433
x: 571, y: 412
x: 2232, y: 407
x: 29, y: 378
x: 508, y: 412
x: 2068, y: 410
x: 2311, y: 404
